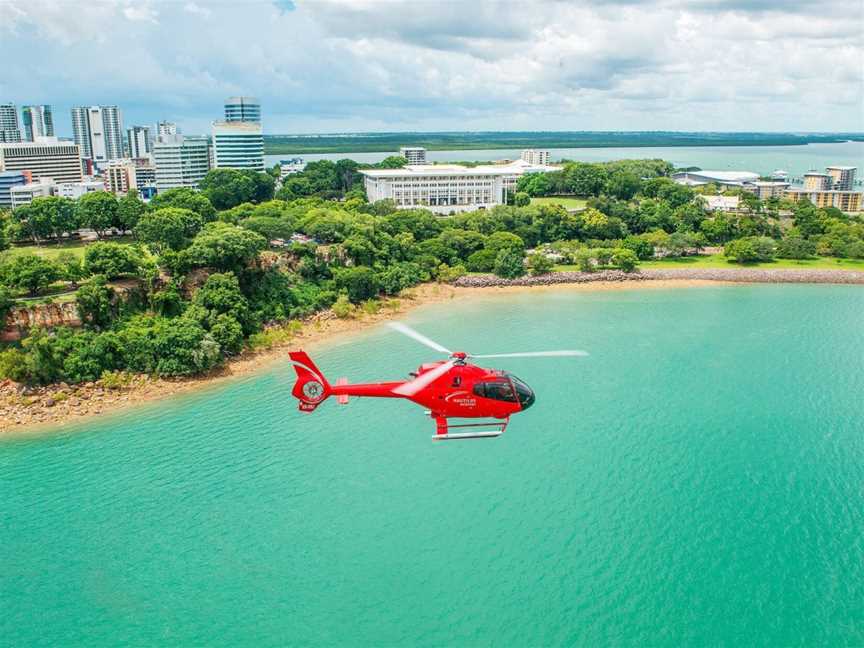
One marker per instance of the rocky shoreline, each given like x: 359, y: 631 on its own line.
x: 736, y: 275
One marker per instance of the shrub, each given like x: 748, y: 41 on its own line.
x: 13, y: 365
x: 399, y: 276
x: 625, y: 259
x: 481, y: 261
x: 359, y: 282
x: 585, y: 260
x: 96, y: 302
x: 228, y: 333
x: 447, y: 274
x: 509, y: 263
x: 540, y: 264
x: 116, y: 379
x: 796, y: 248
x: 343, y: 308
x: 750, y: 249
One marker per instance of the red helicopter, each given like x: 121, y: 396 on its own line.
x: 451, y: 388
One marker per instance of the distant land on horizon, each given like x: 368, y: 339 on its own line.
x: 444, y: 141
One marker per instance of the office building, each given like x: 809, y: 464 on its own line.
x: 120, y: 177
x: 24, y: 194
x: 847, y: 201
x: 38, y: 122
x: 10, y: 130
x: 536, y: 156
x: 816, y: 181
x: 9, y: 179
x: 98, y: 130
x: 238, y: 145
x: 292, y: 165
x: 242, y: 109
x: 46, y: 158
x: 842, y: 177
x: 180, y: 161
x: 414, y: 154
x: 166, y: 128
x: 446, y: 188
x: 139, y: 141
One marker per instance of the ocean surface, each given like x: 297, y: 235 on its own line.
x: 698, y: 480
x: 796, y: 160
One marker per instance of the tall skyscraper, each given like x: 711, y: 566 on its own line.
x: 242, y: 109
x: 10, y: 130
x: 238, y: 142
x: 139, y: 141
x: 38, y: 122
x: 98, y: 130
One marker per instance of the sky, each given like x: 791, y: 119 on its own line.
x: 325, y: 66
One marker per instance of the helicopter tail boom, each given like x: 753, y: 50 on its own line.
x: 311, y: 388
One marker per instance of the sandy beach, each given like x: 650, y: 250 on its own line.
x: 36, y: 410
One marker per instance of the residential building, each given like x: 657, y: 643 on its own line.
x: 842, y: 177
x: 816, y: 181
x: 720, y: 178
x: 120, y: 177
x: 414, y: 154
x: 98, y: 130
x: 535, y: 156
x: 238, y: 145
x: 847, y: 201
x: 242, y: 109
x: 166, y: 128
x: 38, y: 122
x: 10, y: 130
x: 446, y: 188
x: 721, y: 203
x: 767, y: 189
x: 9, y: 179
x: 44, y: 158
x: 294, y: 165
x: 24, y: 194
x: 180, y: 161
x: 75, y: 190
x: 139, y: 141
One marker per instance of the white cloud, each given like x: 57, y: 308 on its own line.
x: 381, y: 64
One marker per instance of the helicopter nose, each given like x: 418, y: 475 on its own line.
x: 526, y: 400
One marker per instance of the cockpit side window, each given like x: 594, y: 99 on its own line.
x: 498, y: 390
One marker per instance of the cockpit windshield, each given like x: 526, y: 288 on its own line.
x: 525, y: 393
x: 503, y: 390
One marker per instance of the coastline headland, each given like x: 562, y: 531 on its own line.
x: 31, y: 410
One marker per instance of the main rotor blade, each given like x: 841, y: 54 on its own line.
x: 423, y: 380
x: 531, y: 354
x: 422, y: 339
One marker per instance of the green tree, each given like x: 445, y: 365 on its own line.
x: 399, y: 276
x: 750, y: 249
x: 227, y: 188
x: 482, y: 260
x: 359, y: 282
x: 7, y: 301
x: 540, y: 264
x: 521, y: 199
x: 111, y: 259
x: 625, y: 259
x: 96, y: 302
x: 169, y: 228
x: 129, y: 210
x: 185, y: 198
x: 97, y: 210
x: 509, y: 263
x: 222, y: 246
x: 221, y: 295
x: 29, y: 272
x: 71, y: 267
x: 228, y: 334
x: 623, y: 185
x: 585, y: 260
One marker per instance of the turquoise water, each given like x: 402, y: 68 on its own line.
x: 759, y: 159
x: 698, y: 480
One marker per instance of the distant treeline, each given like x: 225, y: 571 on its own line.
x: 385, y: 142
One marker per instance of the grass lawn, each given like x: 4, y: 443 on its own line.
x: 719, y: 261
x: 53, y: 250
x: 565, y: 202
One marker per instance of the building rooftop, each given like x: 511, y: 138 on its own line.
x: 816, y: 173
x: 842, y: 168
x: 718, y: 176
x: 513, y: 168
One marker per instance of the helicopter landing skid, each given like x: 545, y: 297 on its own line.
x: 493, y: 429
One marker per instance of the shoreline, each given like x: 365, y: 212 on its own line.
x: 30, y: 412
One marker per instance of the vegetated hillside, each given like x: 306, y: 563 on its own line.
x: 380, y: 142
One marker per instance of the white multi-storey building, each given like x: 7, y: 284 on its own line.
x: 139, y: 141
x: 842, y: 177
x: 414, y: 154
x: 242, y: 109
x: 10, y: 129
x: 38, y: 122
x: 180, y: 161
x: 446, y: 188
x: 238, y: 145
x: 166, y: 128
x: 24, y: 194
x: 98, y: 130
x: 75, y: 190
x: 45, y: 158
x: 536, y: 156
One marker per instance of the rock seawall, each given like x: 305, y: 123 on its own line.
x: 742, y: 275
